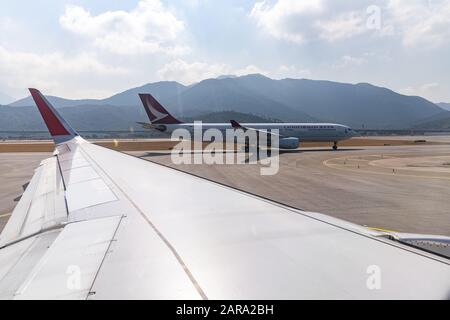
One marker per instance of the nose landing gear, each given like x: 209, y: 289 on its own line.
x: 335, y: 146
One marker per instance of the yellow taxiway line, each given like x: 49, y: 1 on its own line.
x: 381, y: 230
x: 5, y: 215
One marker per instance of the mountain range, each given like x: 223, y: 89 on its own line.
x: 251, y: 97
x: 445, y: 106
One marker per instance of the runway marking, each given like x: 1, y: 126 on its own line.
x: 5, y: 215
x: 371, y: 163
x: 382, y: 230
x: 337, y: 166
x: 374, y: 163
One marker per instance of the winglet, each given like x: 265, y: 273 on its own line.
x: 59, y: 129
x: 155, y: 111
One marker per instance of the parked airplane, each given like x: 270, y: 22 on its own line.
x: 290, y: 134
x: 94, y: 223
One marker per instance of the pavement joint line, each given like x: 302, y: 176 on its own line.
x: 336, y: 166
x: 374, y: 164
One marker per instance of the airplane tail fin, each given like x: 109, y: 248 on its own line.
x: 235, y: 124
x: 59, y: 129
x: 155, y: 111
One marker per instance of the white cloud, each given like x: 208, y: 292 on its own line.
x: 415, y: 22
x: 300, y: 21
x: 420, y: 23
x: 6, y: 22
x: 350, y: 61
x: 10, y: 28
x: 71, y: 76
x: 189, y: 73
x: 250, y: 69
x: 283, y: 20
x: 426, y: 90
x: 291, y: 71
x: 344, y: 26
x: 149, y: 28
x: 429, y: 86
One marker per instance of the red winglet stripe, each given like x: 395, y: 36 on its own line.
x: 55, y: 127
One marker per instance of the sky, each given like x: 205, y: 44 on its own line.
x: 96, y: 48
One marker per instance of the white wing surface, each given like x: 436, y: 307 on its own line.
x: 98, y: 224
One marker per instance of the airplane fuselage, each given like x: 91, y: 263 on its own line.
x: 305, y: 132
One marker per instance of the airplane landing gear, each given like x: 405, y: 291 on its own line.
x: 335, y: 146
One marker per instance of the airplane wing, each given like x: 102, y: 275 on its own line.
x: 98, y: 224
x: 237, y: 125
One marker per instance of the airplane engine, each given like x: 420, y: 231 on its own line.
x: 289, y: 143
x: 159, y: 127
